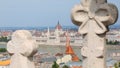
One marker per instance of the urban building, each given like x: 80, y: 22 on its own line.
x: 57, y: 37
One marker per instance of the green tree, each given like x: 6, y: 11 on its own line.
x: 4, y: 39
x: 113, y: 42
x: 115, y: 65
x: 55, y: 65
x: 119, y: 64
x: 65, y: 66
x: 3, y: 50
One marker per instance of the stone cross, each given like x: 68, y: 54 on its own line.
x: 94, y: 17
x: 22, y: 47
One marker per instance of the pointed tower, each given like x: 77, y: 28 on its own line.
x: 58, y: 26
x: 69, y: 50
x: 58, y: 32
x: 48, y: 34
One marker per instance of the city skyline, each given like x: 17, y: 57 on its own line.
x: 35, y: 13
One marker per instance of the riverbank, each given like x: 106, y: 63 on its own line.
x: 61, y: 49
x: 3, y: 43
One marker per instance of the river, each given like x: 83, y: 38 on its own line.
x: 61, y: 49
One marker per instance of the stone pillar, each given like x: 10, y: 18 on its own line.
x: 94, y: 17
x: 22, y: 47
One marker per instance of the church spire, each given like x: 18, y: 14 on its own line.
x: 48, y: 31
x: 58, y: 26
x: 69, y: 49
x: 58, y: 22
x: 67, y: 40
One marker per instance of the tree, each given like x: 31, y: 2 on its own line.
x: 113, y: 42
x: 3, y: 50
x: 65, y: 66
x: 55, y: 65
x: 115, y: 65
x: 119, y: 64
x: 4, y: 39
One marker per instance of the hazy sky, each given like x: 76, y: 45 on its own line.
x: 33, y: 13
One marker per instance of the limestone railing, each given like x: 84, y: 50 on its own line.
x: 94, y: 17
x: 22, y: 47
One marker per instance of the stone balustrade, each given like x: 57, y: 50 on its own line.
x: 22, y: 47
x: 94, y: 17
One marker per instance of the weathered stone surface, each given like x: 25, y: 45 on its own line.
x: 22, y: 47
x: 93, y: 17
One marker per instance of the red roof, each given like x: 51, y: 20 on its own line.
x: 69, y: 50
x: 75, y: 58
x: 59, y: 54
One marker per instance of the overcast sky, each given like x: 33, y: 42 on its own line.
x: 24, y: 13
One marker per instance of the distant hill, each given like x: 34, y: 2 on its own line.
x: 37, y: 28
x: 44, y: 28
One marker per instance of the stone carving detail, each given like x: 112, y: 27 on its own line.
x: 94, y: 17
x: 22, y: 47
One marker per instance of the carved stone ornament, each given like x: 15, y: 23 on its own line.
x: 22, y: 47
x: 94, y: 17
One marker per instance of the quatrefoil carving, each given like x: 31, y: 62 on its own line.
x: 93, y: 17
x: 102, y: 13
